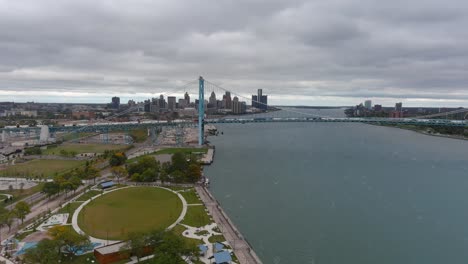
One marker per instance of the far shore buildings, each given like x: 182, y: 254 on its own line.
x: 83, y: 115
x: 260, y: 101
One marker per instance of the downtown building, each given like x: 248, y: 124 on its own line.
x: 260, y: 101
x: 238, y: 107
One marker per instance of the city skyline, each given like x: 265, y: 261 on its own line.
x: 393, y: 52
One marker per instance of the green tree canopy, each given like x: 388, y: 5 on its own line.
x: 22, y: 209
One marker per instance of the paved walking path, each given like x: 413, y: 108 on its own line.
x: 242, y: 249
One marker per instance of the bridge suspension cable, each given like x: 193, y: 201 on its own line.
x: 443, y: 114
x: 258, y: 102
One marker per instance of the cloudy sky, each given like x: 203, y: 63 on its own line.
x: 333, y: 52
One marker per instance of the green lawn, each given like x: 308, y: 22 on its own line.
x: 18, y: 194
x: 177, y: 188
x: 136, y: 209
x: 196, y: 216
x: 183, y: 150
x: 170, y: 151
x: 70, y: 208
x: 139, y: 135
x: 217, y: 238
x: 87, y: 195
x: 41, y: 168
x: 191, y: 197
x: 73, y: 136
x: 178, y: 230
x: 83, y: 148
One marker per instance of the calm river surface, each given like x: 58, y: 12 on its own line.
x: 343, y: 193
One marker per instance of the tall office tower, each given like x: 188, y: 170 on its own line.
x: 212, y: 102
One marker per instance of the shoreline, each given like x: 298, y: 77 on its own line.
x: 241, y: 247
x: 459, y: 137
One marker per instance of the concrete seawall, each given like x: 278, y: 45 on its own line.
x: 243, y: 250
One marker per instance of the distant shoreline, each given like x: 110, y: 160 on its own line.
x: 459, y: 137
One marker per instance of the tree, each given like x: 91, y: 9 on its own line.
x: 66, y: 186
x: 21, y: 210
x: 135, y: 244
x: 172, y: 248
x: 163, y: 176
x: 91, y: 173
x: 194, y: 172
x: 117, y: 159
x: 51, y: 189
x: 4, y: 214
x: 119, y: 172
x: 69, y: 239
x: 45, y: 252
x: 179, y: 162
x: 177, y: 176
x: 60, y: 181
x: 75, y: 182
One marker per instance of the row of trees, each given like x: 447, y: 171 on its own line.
x: 167, y: 247
x: 64, y: 240
x: 70, y: 181
x: 182, y: 168
x: 20, y: 211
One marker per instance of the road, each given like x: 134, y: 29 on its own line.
x: 37, y: 209
x: 30, y: 200
x: 242, y: 249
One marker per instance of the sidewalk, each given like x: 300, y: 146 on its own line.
x: 242, y: 249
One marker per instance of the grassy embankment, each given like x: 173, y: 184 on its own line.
x: 171, y: 151
x: 82, y: 148
x: 41, y: 168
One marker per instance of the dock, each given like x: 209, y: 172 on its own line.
x: 242, y: 249
x: 207, y: 158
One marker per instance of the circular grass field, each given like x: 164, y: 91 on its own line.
x: 138, y: 209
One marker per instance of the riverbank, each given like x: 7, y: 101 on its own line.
x: 242, y: 249
x: 424, y: 131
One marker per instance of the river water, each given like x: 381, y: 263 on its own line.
x: 335, y: 193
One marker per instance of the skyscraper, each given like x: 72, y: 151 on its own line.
x: 399, y: 107
x: 237, y: 106
x: 115, y: 102
x: 368, y: 104
x: 187, y: 98
x: 212, y: 102
x: 228, y: 100
x: 171, y: 102
x: 255, y: 101
x: 162, y: 102
x: 260, y: 101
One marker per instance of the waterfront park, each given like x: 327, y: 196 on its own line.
x: 138, y: 209
x: 96, y: 218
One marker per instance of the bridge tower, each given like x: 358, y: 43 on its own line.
x: 201, y: 110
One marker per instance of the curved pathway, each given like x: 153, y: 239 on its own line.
x: 107, y: 242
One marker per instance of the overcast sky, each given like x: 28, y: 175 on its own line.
x: 299, y: 52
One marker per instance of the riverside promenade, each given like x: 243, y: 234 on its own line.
x: 241, y: 247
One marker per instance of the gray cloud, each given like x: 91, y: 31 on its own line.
x: 339, y: 49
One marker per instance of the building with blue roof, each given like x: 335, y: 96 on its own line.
x: 223, y: 257
x: 218, y: 247
x: 107, y: 184
x: 203, y: 249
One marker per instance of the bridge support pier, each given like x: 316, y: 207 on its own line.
x: 201, y: 111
